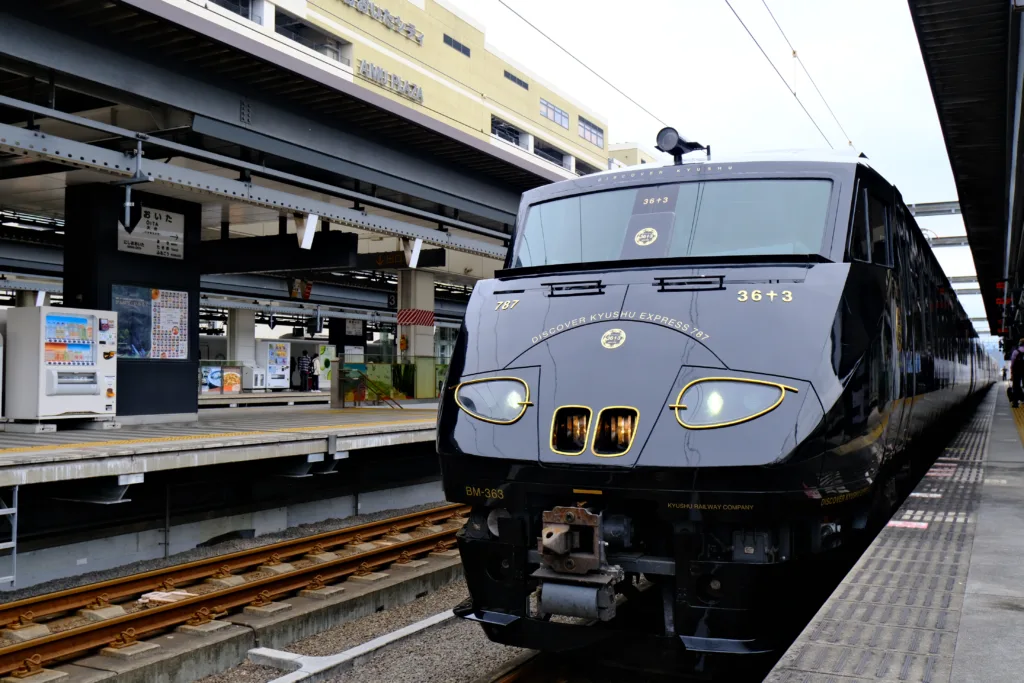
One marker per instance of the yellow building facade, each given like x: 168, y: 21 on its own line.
x: 428, y: 55
x: 632, y: 154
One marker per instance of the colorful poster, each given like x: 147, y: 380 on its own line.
x: 212, y: 379
x: 134, y: 307
x: 328, y: 358
x: 170, y: 324
x: 231, y: 379
x: 151, y: 323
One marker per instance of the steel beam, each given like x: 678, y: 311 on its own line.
x: 81, y: 155
x: 963, y: 292
x: 934, y: 209
x: 957, y: 241
x: 361, y: 158
x: 963, y: 279
x: 239, y: 165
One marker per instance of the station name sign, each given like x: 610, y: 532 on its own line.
x: 392, y: 82
x: 385, y: 17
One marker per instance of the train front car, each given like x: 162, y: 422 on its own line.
x: 682, y: 385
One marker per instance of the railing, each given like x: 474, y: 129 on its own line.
x: 399, y: 379
x: 239, y: 7
x: 326, y: 49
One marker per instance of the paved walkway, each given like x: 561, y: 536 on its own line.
x: 938, y: 597
x: 221, y: 435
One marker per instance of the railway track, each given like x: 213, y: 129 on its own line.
x: 337, y: 555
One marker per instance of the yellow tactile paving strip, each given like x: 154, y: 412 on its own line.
x: 354, y: 427
x: 1018, y: 417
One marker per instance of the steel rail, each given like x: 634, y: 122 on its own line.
x: 83, y: 639
x: 136, y: 584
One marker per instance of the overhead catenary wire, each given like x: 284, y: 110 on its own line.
x: 581, y: 63
x: 803, y: 66
x: 781, y: 77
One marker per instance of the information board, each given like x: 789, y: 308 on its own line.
x: 151, y: 323
x: 157, y: 233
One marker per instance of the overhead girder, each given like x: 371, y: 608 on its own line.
x: 80, y: 155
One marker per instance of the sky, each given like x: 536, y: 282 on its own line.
x: 692, y: 65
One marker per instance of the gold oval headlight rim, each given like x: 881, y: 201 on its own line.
x: 523, y: 405
x: 677, y: 406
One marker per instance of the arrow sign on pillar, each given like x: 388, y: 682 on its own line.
x: 412, y: 251
x: 307, y: 230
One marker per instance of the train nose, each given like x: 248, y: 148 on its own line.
x: 631, y: 393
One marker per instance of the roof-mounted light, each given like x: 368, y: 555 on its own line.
x: 671, y: 142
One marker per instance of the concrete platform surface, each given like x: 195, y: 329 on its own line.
x: 938, y: 597
x: 255, y: 398
x: 221, y: 435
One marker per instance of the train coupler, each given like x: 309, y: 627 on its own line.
x: 575, y: 578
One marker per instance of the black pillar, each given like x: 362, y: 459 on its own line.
x: 93, y: 264
x: 336, y: 334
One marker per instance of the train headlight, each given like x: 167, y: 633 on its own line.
x: 724, y: 401
x: 498, y: 400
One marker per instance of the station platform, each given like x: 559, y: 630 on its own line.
x: 939, y: 595
x: 221, y: 435
x: 263, y: 398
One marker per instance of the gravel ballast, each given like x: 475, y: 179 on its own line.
x: 457, y: 652
x: 245, y: 673
x: 357, y: 632
x: 227, y: 547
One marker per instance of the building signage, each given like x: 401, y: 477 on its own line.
x: 391, y: 81
x: 157, y: 233
x: 385, y: 17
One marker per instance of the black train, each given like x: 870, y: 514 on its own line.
x: 703, y: 372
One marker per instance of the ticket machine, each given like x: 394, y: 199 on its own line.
x: 61, y: 363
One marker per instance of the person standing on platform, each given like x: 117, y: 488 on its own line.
x: 315, y: 370
x: 1017, y: 373
x: 304, y: 365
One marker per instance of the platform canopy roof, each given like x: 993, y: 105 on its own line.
x: 970, y: 52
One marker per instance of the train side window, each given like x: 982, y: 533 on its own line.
x: 879, y: 233
x: 859, y: 230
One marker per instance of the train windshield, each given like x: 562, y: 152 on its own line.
x: 709, y: 218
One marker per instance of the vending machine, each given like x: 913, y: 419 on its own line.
x: 61, y: 363
x: 276, y: 360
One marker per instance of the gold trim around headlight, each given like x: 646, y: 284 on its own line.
x: 586, y: 433
x: 522, y: 404
x: 677, y: 406
x: 632, y: 436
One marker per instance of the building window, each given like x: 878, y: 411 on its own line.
x: 505, y: 131
x: 591, y: 133
x: 583, y: 168
x: 518, y: 81
x: 550, y: 111
x: 239, y: 7
x: 549, y: 153
x: 455, y: 45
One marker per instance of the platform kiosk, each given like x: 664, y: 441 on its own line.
x: 61, y: 363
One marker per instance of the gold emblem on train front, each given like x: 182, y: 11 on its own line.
x: 613, y: 338
x: 646, y: 237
